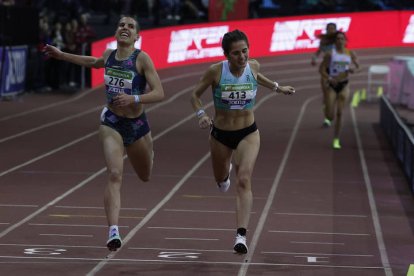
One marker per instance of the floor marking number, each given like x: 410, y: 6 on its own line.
x: 315, y: 259
x: 177, y: 255
x: 44, y: 251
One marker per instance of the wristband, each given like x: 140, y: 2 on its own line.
x: 276, y: 86
x: 200, y: 113
x: 136, y: 98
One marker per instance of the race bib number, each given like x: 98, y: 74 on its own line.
x: 237, y: 95
x: 118, y: 81
x: 339, y: 67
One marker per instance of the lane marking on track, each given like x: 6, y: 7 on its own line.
x: 317, y: 254
x: 153, y: 211
x: 272, y: 193
x: 192, y: 239
x: 53, y: 245
x: 318, y: 233
x: 93, y: 176
x: 18, y: 205
x: 189, y: 228
x: 53, y: 123
x: 93, y: 207
x: 321, y: 215
x: 158, y: 261
x: 67, y: 235
x: 201, y: 211
x: 212, y: 196
x: 73, y: 225
x: 182, y: 92
x: 371, y: 199
x: 27, y: 112
x: 178, y: 249
x: 89, y: 216
x: 319, y: 243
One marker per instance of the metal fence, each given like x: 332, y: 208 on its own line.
x: 400, y: 137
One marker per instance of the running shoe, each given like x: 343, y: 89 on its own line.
x: 225, y: 185
x: 240, y: 246
x: 114, y: 242
x: 336, y: 144
x: 326, y: 123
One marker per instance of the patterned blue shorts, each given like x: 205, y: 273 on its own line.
x: 131, y: 129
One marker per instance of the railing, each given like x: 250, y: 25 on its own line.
x: 400, y: 137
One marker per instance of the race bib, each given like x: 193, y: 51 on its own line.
x: 118, y: 81
x: 339, y: 67
x: 237, y: 96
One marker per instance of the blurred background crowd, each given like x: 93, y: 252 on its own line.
x: 72, y: 25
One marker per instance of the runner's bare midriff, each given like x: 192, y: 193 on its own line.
x: 233, y: 119
x: 131, y: 111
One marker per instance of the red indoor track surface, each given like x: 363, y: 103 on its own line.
x: 316, y: 211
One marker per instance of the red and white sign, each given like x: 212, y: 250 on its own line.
x: 189, y: 44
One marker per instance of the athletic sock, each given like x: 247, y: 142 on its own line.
x: 113, y: 230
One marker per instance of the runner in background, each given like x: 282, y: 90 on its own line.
x: 326, y: 44
x: 339, y: 62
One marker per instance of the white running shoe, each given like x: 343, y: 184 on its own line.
x: 240, y: 246
x: 225, y: 185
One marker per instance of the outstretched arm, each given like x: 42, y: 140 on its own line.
x: 87, y: 61
x: 274, y: 86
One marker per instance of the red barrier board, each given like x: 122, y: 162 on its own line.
x: 189, y: 44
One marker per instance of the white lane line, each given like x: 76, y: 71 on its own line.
x: 67, y: 235
x: 272, y: 192
x: 371, y: 199
x: 52, y: 245
x: 19, y: 205
x: 152, y: 213
x: 316, y: 254
x: 312, y: 259
x: 319, y: 233
x: 90, y: 135
x: 151, y: 261
x: 189, y: 228
x: 199, y: 211
x: 27, y: 112
x: 49, y: 204
x: 72, y: 225
x: 191, y: 239
x: 179, y: 249
x: 321, y: 215
x: 53, y: 123
x: 99, y: 208
x: 320, y: 243
x: 50, y: 153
